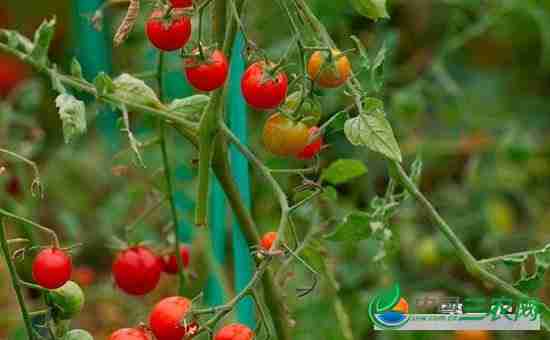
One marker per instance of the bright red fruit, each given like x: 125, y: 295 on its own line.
x: 136, y: 270
x: 171, y: 263
x: 234, y: 331
x: 181, y: 3
x: 129, y: 334
x: 166, y: 317
x: 312, y: 148
x: 267, y: 240
x: 12, y: 73
x: 261, y: 90
x: 51, y: 268
x: 168, y: 34
x: 209, y: 74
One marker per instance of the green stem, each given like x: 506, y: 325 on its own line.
x: 49, y: 231
x: 84, y: 86
x: 15, y: 282
x: 168, y: 179
x: 472, y: 266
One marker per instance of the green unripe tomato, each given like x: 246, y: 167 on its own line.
x: 77, y: 334
x: 310, y: 109
x: 427, y: 252
x: 67, y: 300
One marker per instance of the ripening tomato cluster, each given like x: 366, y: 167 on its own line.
x: 168, y: 320
x: 136, y: 270
x: 264, y: 87
x: 169, y: 29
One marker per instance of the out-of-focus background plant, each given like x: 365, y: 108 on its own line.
x: 467, y: 90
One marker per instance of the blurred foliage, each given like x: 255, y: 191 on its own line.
x: 466, y: 86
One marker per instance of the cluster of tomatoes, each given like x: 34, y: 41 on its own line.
x: 290, y: 132
x: 137, y: 271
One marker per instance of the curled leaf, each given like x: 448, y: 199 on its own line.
x: 190, y: 107
x: 372, y: 9
x: 73, y: 115
x: 42, y: 40
x: 135, y: 90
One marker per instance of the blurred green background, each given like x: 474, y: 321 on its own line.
x: 467, y: 88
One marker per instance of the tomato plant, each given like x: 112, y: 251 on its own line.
x: 51, y: 268
x: 209, y: 74
x: 166, y: 318
x: 170, y: 263
x: 168, y: 32
x: 331, y: 71
x: 129, y: 334
x: 136, y: 270
x: 261, y: 89
x: 314, y: 147
x: 343, y: 218
x: 284, y: 137
x: 267, y: 240
x: 234, y: 332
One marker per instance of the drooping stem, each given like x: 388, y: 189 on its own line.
x: 49, y: 231
x: 15, y: 282
x: 472, y: 265
x: 168, y: 178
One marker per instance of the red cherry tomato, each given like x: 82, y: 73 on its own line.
x: 329, y: 76
x: 312, y: 148
x: 171, y: 263
x: 284, y: 137
x: 234, y: 331
x: 51, y: 268
x: 129, y: 334
x: 12, y: 73
x: 165, y: 319
x: 136, y: 270
x: 168, y: 34
x: 267, y: 240
x: 261, y: 90
x: 209, y: 74
x: 84, y: 276
x: 181, y: 3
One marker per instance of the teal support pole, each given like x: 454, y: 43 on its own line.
x: 93, y: 51
x: 214, y: 294
x: 244, y: 264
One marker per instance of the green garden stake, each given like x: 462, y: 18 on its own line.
x: 93, y: 51
x: 214, y: 294
x: 238, y: 122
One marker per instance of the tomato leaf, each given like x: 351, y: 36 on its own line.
x: 42, y: 39
x: 103, y: 84
x: 191, y: 107
x: 135, y: 91
x: 76, y: 69
x: 372, y: 9
x: 354, y: 228
x: 73, y: 115
x: 343, y: 170
x: 373, y: 130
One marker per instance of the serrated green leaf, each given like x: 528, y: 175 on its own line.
x: 42, y: 40
x: 372, y: 9
x: 73, y: 116
x: 343, y: 170
x: 103, y: 84
x: 533, y: 282
x: 373, y: 131
x: 354, y: 228
x: 330, y: 193
x: 191, y: 107
x: 76, y: 69
x: 135, y: 91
